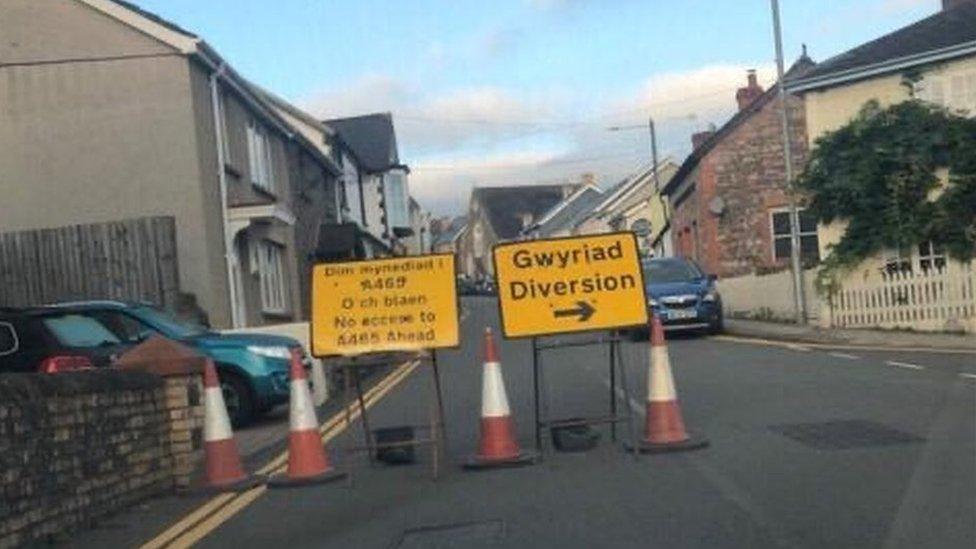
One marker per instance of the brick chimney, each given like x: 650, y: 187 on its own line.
x: 700, y: 137
x: 949, y: 4
x: 745, y: 96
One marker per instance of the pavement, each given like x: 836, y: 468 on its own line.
x: 780, y: 331
x: 810, y: 447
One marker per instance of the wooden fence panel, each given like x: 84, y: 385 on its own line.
x: 132, y: 259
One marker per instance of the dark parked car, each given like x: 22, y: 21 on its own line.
x: 51, y: 341
x: 253, y: 368
x: 681, y: 295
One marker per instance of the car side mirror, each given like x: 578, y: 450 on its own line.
x: 8, y: 339
x: 712, y: 277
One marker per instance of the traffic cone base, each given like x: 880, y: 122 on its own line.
x: 307, y: 460
x: 664, y: 428
x: 497, y: 443
x: 524, y: 457
x: 223, y: 469
x: 285, y: 481
x: 693, y: 442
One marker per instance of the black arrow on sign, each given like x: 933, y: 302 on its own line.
x: 583, y: 310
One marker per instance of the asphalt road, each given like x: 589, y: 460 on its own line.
x: 888, y: 460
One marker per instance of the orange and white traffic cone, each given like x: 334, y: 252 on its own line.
x: 497, y: 446
x: 664, y: 429
x: 307, y: 461
x: 224, y: 471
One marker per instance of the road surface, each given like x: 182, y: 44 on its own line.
x: 809, y: 448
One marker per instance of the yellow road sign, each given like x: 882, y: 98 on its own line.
x: 562, y: 285
x: 394, y: 304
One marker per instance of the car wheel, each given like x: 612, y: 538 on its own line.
x: 237, y: 398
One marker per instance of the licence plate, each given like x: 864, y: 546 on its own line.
x: 682, y: 314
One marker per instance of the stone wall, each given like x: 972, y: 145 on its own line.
x: 78, y: 446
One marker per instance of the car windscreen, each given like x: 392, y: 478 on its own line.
x: 658, y: 272
x: 79, y: 331
x: 168, y: 324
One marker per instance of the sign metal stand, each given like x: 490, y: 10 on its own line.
x: 402, y: 304
x: 541, y: 395
x: 436, y: 433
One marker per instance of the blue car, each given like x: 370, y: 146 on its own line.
x: 253, y: 368
x: 681, y: 295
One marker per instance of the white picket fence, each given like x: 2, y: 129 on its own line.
x: 934, y: 300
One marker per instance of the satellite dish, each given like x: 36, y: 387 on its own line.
x: 716, y: 205
x: 641, y: 227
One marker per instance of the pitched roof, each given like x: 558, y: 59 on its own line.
x: 371, y: 138
x: 457, y: 225
x: 567, y: 212
x: 155, y: 18
x: 800, y: 68
x: 505, y: 206
x: 949, y: 33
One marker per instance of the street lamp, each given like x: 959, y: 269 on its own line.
x: 799, y: 297
x: 650, y: 128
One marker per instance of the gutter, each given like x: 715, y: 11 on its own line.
x: 891, y: 65
x: 224, y: 203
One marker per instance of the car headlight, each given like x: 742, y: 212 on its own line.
x: 283, y: 353
x: 710, y: 296
x: 652, y: 302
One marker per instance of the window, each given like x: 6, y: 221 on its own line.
x: 931, y: 256
x: 395, y: 200
x: 260, y: 157
x: 897, y: 260
x: 271, y: 273
x: 80, y: 331
x: 782, y: 245
x: 224, y: 134
x: 122, y: 325
x: 955, y: 91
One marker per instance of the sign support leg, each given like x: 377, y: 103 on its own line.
x: 362, y: 417
x: 613, y: 389
x: 630, y: 411
x: 437, y: 430
x: 536, y: 393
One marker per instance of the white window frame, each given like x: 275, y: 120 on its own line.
x: 260, y: 157
x: 923, y: 257
x: 271, y: 275
x: 225, y: 142
x: 396, y: 199
x: 954, y: 90
x: 773, y: 237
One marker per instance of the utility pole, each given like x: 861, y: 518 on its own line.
x: 799, y: 297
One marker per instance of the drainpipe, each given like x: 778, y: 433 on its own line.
x: 224, y: 205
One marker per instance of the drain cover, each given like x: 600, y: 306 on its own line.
x: 450, y: 536
x: 844, y: 434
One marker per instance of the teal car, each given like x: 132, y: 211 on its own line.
x: 253, y: 368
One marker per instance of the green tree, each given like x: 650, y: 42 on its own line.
x: 877, y: 173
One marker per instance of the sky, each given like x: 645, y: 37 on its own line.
x: 518, y: 92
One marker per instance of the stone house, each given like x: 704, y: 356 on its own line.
x: 728, y: 198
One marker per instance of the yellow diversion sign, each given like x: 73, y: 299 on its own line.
x: 574, y: 284
x: 395, y: 304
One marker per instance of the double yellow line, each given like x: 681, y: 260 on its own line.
x: 209, y: 516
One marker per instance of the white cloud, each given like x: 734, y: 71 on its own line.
x: 486, y: 136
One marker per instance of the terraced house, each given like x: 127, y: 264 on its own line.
x: 112, y: 113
